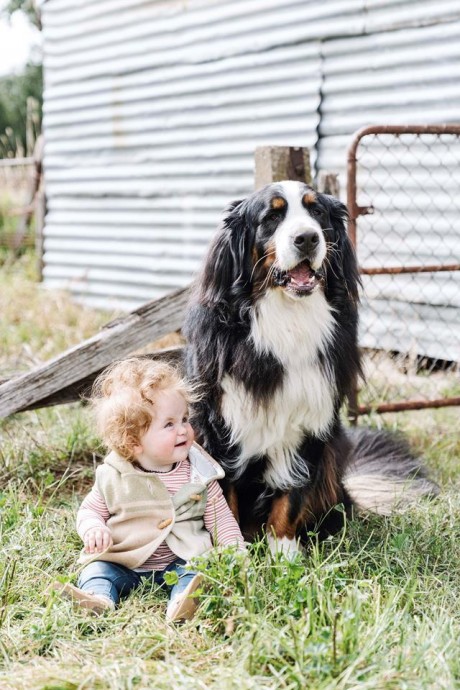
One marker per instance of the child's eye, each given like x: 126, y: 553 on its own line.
x: 185, y: 420
x: 168, y: 425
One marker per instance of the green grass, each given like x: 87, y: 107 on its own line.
x: 376, y: 607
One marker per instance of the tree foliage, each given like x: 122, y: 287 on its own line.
x: 29, y: 7
x: 21, y: 99
x: 21, y: 95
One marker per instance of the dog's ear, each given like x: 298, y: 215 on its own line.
x: 345, y: 258
x: 228, y: 265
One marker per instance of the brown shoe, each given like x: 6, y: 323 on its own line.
x: 183, y: 607
x: 93, y: 602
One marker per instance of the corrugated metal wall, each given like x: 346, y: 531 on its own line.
x: 401, y: 76
x: 153, y: 111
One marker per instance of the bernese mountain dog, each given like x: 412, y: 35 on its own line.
x: 272, y: 344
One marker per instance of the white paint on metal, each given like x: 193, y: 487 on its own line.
x: 153, y: 110
x: 152, y: 114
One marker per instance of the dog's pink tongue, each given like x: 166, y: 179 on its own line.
x: 301, y: 274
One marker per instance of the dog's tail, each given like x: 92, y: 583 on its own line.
x: 384, y: 475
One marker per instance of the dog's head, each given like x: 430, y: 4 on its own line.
x: 286, y: 237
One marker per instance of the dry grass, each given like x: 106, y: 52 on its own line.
x: 393, y: 378
x: 38, y: 324
x: 14, y: 190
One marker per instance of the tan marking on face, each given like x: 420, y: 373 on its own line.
x: 262, y: 266
x: 309, y: 198
x: 270, y: 256
x: 278, y: 202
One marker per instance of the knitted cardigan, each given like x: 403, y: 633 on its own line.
x: 143, y: 514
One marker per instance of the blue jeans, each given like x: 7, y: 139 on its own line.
x: 116, y: 581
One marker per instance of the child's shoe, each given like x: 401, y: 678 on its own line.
x: 93, y: 602
x: 184, y: 605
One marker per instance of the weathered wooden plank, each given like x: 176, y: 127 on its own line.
x: 81, y: 389
x: 32, y: 189
x: 84, y: 361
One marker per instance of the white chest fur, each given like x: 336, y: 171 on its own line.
x: 295, y: 331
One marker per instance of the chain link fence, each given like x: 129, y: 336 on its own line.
x: 404, y: 204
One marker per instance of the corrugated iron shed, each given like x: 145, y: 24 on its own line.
x: 153, y: 110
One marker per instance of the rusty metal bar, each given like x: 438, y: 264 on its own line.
x: 408, y: 405
x: 354, y: 211
x: 396, y: 270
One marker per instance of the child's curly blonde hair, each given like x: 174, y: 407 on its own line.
x: 123, y: 399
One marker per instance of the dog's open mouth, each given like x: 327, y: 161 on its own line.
x: 301, y: 280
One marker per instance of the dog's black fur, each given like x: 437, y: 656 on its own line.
x: 242, y: 269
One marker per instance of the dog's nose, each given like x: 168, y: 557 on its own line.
x: 306, y: 242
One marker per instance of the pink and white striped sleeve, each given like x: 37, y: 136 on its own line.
x: 219, y: 519
x: 93, y: 512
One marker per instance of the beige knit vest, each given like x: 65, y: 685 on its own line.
x: 143, y: 514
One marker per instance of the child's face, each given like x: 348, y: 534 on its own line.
x: 169, y: 436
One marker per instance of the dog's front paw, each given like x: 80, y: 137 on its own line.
x: 289, y: 548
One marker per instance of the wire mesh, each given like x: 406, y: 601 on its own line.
x: 404, y: 202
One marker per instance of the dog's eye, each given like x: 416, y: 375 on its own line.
x: 272, y: 217
x: 317, y: 212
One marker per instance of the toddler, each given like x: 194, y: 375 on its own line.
x: 156, y: 502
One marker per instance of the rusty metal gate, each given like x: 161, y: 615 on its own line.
x: 404, y: 203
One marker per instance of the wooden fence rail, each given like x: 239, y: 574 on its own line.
x: 71, y: 373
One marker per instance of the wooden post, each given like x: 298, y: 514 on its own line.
x: 40, y: 210
x: 34, y: 183
x: 40, y: 204
x: 328, y: 183
x: 276, y: 163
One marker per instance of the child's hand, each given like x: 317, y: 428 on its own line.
x: 97, y: 540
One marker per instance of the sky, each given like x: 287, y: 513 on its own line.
x: 17, y: 38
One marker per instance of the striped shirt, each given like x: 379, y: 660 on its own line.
x: 218, y: 518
